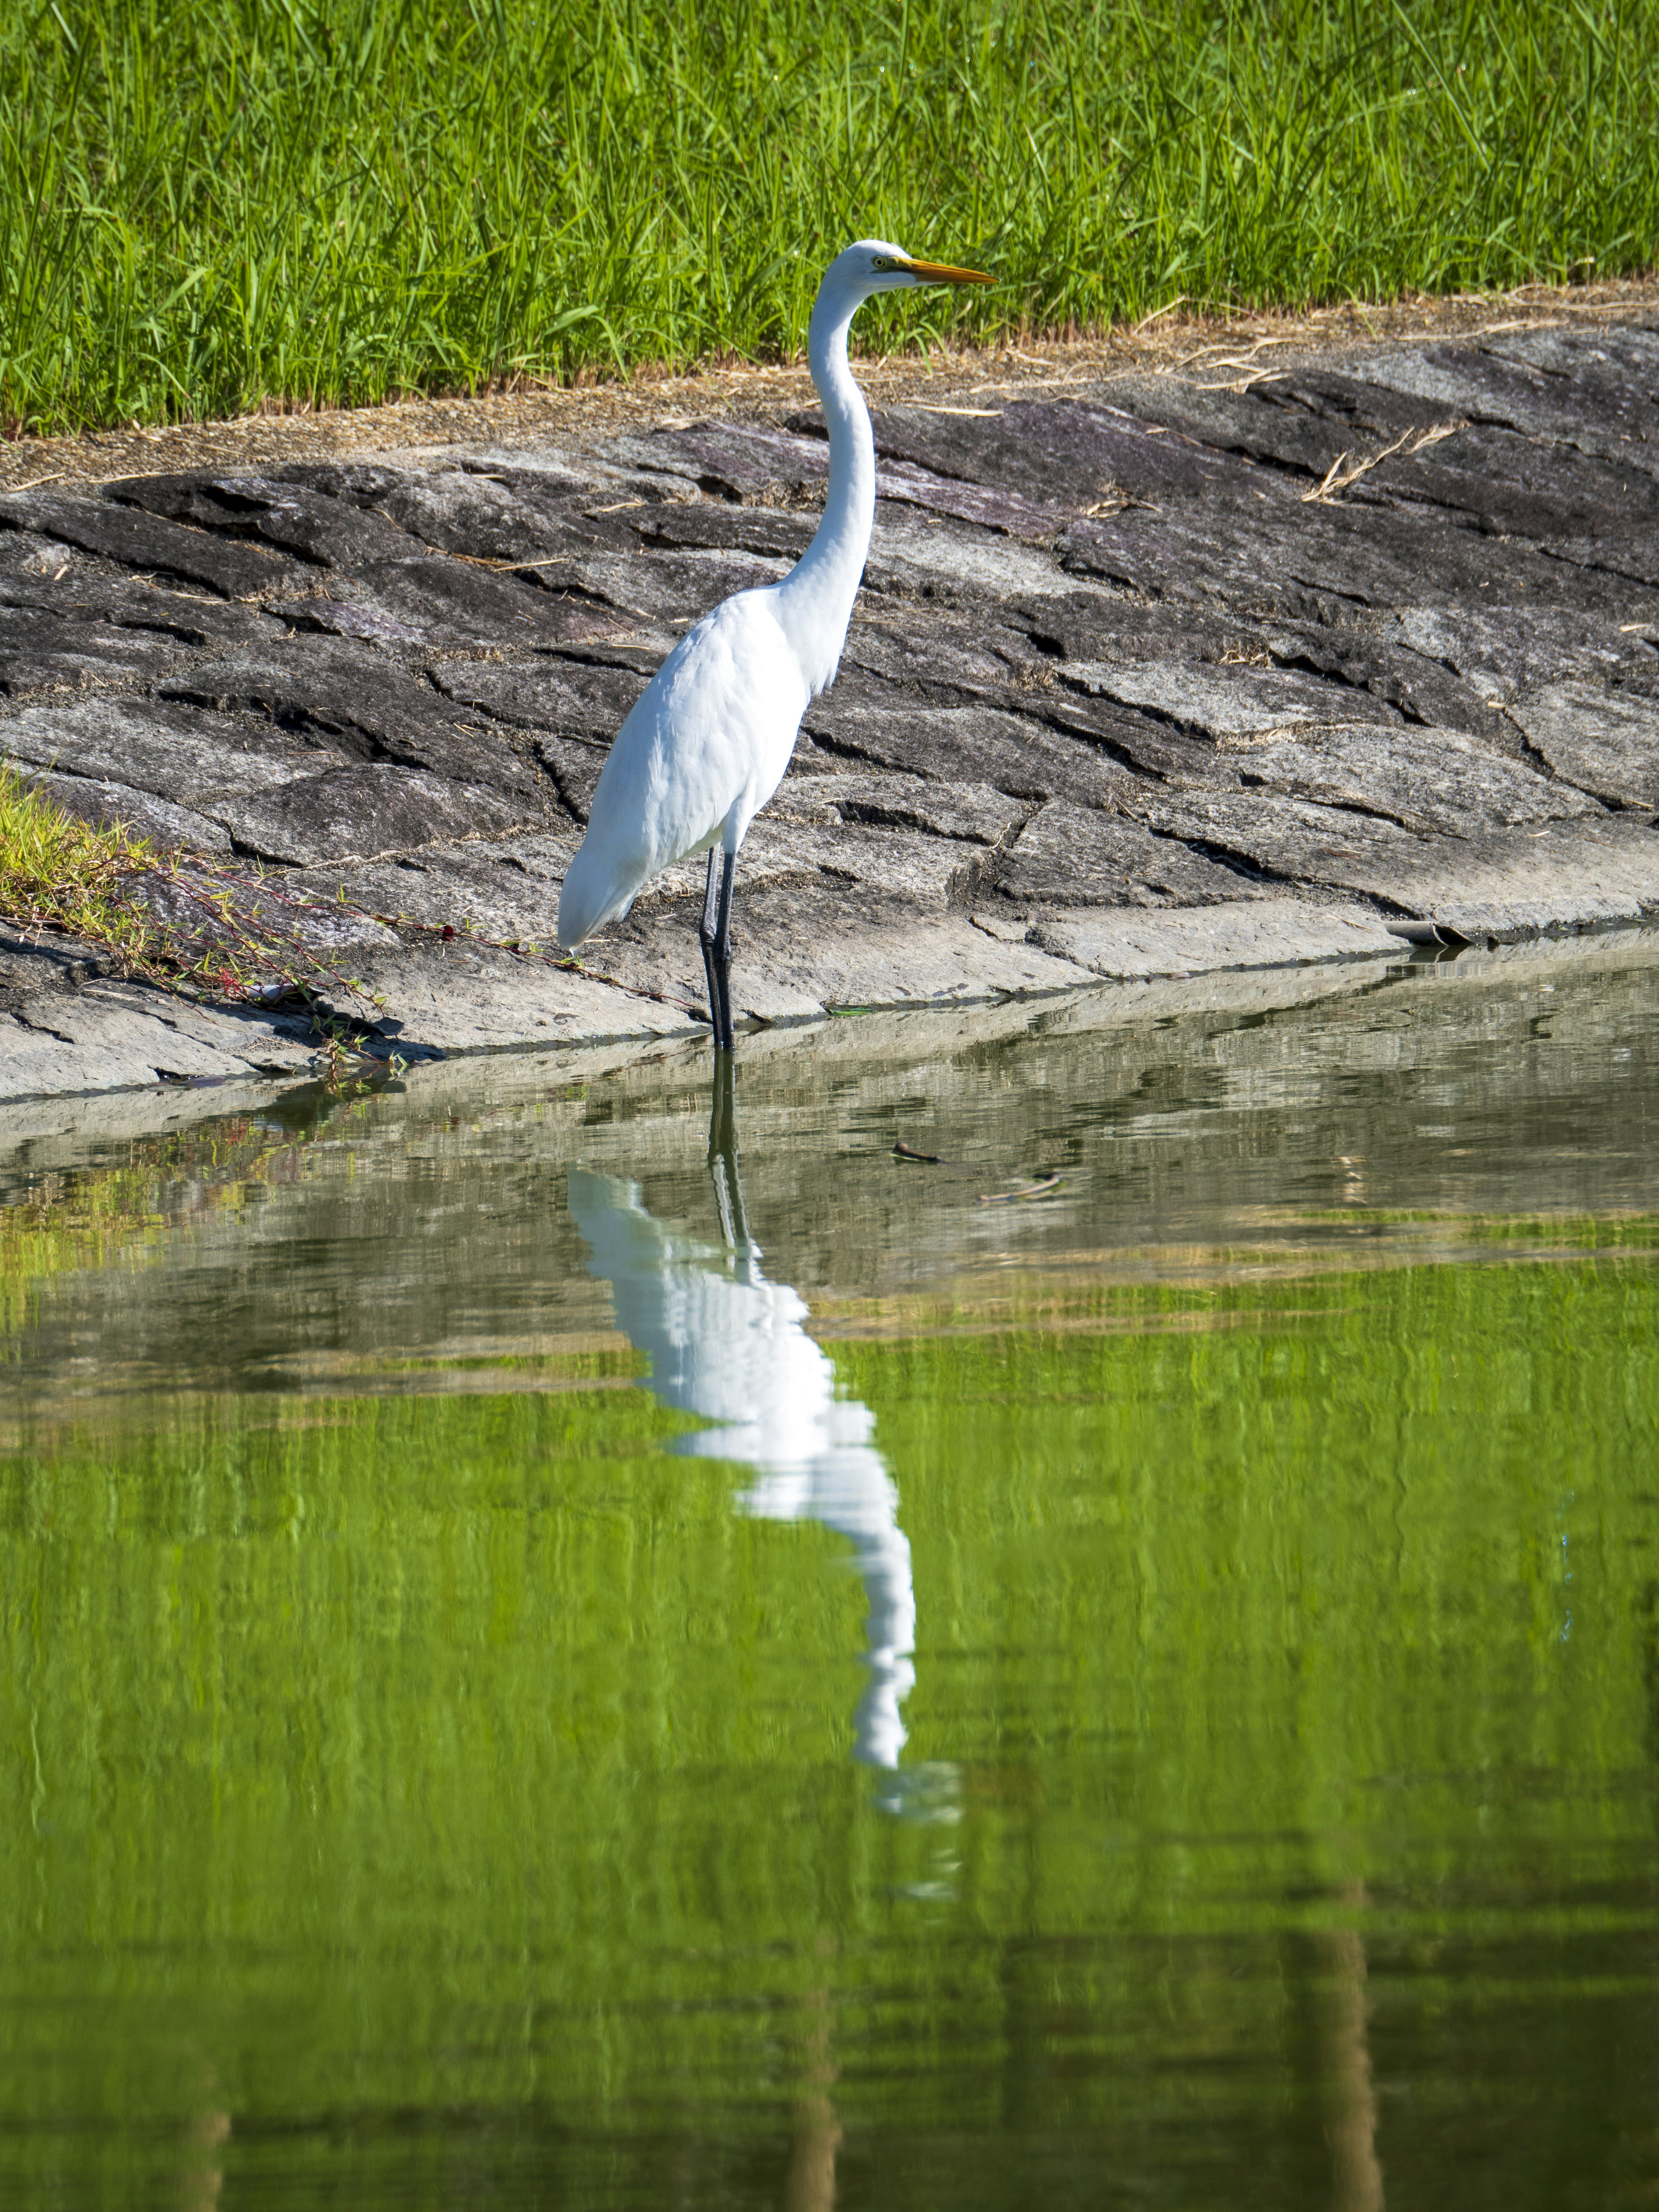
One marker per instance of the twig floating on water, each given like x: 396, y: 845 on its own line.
x: 1038, y: 1189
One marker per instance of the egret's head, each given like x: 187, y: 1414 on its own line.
x: 875, y: 265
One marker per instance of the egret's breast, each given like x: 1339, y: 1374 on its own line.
x: 722, y: 726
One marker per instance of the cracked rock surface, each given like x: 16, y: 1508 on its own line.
x: 1154, y: 678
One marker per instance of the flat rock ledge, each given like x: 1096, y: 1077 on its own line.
x: 1148, y: 678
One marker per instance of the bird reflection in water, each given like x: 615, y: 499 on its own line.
x: 725, y: 1343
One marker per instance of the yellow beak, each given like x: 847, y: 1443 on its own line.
x: 940, y: 272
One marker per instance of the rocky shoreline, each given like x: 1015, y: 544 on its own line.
x: 1242, y: 668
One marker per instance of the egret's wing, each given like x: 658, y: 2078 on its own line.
x: 704, y: 748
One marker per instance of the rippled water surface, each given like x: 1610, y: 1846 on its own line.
x: 573, y: 1641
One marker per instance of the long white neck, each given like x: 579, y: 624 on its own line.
x: 815, y: 600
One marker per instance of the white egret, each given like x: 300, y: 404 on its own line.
x: 708, y: 742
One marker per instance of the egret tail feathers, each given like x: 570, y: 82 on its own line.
x: 590, y: 897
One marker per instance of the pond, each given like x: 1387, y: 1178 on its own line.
x: 578, y: 1636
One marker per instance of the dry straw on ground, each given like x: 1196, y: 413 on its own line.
x: 1212, y: 350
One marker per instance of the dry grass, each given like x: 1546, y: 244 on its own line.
x: 1340, y: 475
x: 1182, y: 342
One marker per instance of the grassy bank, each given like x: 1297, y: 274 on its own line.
x: 205, y: 205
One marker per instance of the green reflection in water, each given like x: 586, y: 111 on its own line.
x: 460, y: 1779
x: 427, y: 1784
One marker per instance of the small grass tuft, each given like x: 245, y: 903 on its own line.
x: 61, y: 874
x: 171, y: 919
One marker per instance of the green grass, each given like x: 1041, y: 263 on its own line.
x: 171, y: 918
x: 62, y: 874
x: 208, y: 203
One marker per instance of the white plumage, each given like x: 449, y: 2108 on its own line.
x: 729, y: 1345
x: 708, y: 742
x: 704, y: 749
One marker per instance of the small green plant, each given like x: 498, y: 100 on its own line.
x: 61, y: 874
x: 172, y: 919
x: 182, y: 920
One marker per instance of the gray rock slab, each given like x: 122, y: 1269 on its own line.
x: 801, y: 947
x: 1550, y: 392
x: 667, y: 590
x: 931, y: 870
x: 1502, y: 650
x: 507, y: 888
x: 573, y: 697
x: 1124, y: 739
x: 734, y: 460
x: 932, y: 557
x: 109, y: 806
x: 574, y: 767
x: 176, y: 753
x: 943, y: 961
x: 148, y: 543
x: 329, y: 531
x: 1628, y: 555
x: 342, y: 698
x: 36, y: 962
x: 1298, y: 841
x: 1174, y: 941
x: 515, y: 515
x: 910, y: 441
x: 1119, y: 697
x: 1291, y: 560
x: 974, y: 813
x: 1417, y: 684
x: 427, y: 602
x: 712, y: 525
x: 1567, y: 874
x: 938, y: 656
x: 360, y: 813
x: 935, y: 871
x: 28, y: 561
x: 1603, y: 742
x: 1227, y: 705
x: 1566, y: 877
x: 111, y: 1036
x: 44, y: 652
x: 324, y: 687
x: 58, y: 674
x: 269, y: 1043
x: 1486, y: 471
x: 467, y: 997
x: 277, y: 904
x: 191, y: 617
x: 1070, y: 856
x: 1438, y: 782
x: 1015, y: 755
x: 995, y: 508
x: 1067, y: 456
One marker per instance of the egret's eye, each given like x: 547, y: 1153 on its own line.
x: 881, y: 262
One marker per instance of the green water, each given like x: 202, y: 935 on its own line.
x: 442, y: 1770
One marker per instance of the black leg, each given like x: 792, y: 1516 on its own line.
x: 705, y: 939
x: 723, y: 950
x: 723, y: 1154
